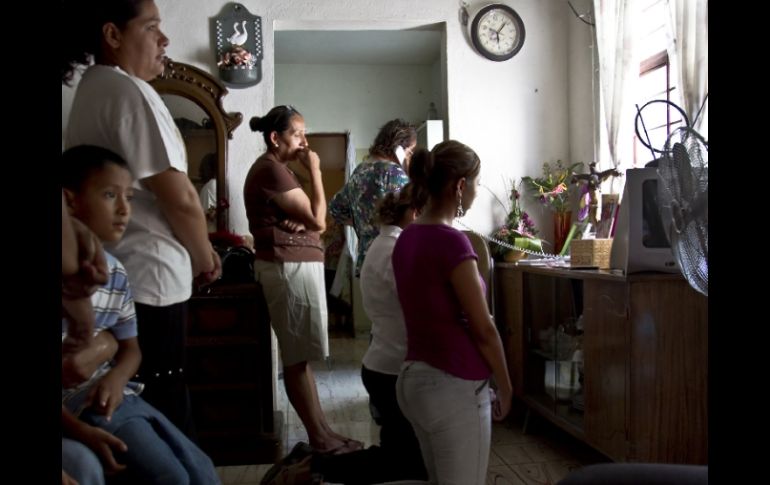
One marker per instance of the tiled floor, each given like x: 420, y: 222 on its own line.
x: 543, y: 456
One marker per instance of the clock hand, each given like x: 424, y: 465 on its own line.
x: 501, y: 28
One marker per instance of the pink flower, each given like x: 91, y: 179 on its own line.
x: 517, y: 224
x: 585, y: 201
x: 551, y: 189
x: 559, y: 188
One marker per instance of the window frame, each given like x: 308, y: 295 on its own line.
x: 647, y: 66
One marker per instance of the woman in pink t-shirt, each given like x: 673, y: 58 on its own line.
x: 452, y: 344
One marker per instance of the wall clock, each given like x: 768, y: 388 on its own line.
x: 497, y: 32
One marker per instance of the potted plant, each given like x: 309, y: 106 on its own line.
x: 518, y: 230
x: 552, y: 191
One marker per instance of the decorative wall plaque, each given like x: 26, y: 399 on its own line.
x: 238, y: 40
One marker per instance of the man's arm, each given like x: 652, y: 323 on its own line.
x: 181, y: 205
x: 69, y: 249
x: 78, y: 367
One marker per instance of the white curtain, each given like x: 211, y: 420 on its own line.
x: 341, y: 286
x: 689, y: 56
x: 618, y: 67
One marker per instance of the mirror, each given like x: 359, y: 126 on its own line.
x: 195, y: 96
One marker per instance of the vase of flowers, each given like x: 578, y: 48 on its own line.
x: 552, y: 191
x: 519, y: 230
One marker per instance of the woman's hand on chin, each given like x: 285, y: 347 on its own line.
x: 309, y: 159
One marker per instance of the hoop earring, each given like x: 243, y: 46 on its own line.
x: 460, y: 211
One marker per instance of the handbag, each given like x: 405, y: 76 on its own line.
x: 237, y: 265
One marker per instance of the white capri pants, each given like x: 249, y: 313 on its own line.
x: 452, y: 420
x: 295, y: 294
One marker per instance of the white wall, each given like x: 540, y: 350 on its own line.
x: 437, y: 82
x: 582, y: 109
x: 359, y: 98
x: 514, y: 113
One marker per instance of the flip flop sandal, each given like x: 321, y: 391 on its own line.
x: 296, y: 474
x: 347, y: 446
x: 354, y: 445
x: 300, y: 451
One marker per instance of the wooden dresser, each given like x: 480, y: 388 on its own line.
x: 641, y: 391
x: 230, y: 376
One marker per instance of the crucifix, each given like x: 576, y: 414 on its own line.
x: 593, y: 181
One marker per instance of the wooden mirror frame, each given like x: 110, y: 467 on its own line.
x: 207, y: 92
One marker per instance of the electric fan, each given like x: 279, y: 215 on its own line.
x: 683, y: 200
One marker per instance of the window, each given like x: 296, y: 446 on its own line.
x: 656, y: 81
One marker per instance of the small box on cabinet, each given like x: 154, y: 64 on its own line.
x: 590, y: 253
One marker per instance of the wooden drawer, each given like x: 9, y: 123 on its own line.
x: 229, y: 373
x: 227, y: 315
x: 221, y: 408
x: 224, y: 364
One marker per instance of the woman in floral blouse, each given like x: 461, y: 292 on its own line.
x: 385, y: 171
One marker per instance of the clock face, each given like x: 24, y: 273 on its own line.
x: 497, y: 32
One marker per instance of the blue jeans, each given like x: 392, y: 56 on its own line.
x: 81, y: 463
x: 158, y: 452
x: 452, y: 420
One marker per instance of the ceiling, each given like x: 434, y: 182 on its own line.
x: 357, y: 46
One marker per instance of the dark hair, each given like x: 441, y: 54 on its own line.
x: 277, y: 119
x: 394, y: 133
x: 207, y: 170
x: 392, y: 207
x: 433, y: 171
x: 79, y: 162
x: 84, y: 20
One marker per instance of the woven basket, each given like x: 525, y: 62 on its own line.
x: 590, y: 253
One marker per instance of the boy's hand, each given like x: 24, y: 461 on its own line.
x: 106, y: 395
x: 103, y: 443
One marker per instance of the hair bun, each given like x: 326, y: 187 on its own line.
x: 255, y: 123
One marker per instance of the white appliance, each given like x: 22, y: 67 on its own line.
x: 430, y: 133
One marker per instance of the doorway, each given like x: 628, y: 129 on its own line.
x: 347, y: 80
x: 332, y: 149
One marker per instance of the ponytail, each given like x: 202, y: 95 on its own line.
x: 420, y: 166
x: 449, y: 161
x: 391, y: 208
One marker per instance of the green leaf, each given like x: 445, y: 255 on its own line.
x: 530, y: 243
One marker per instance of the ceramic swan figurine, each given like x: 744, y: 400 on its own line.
x: 238, y: 38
